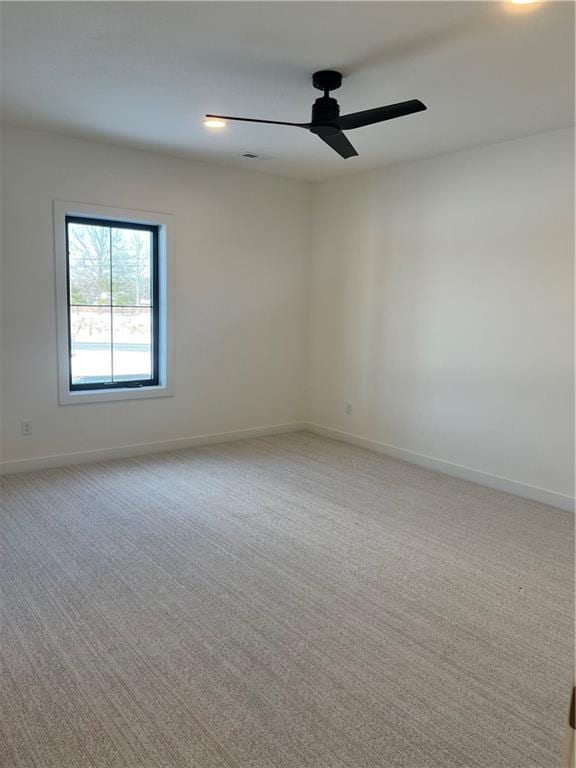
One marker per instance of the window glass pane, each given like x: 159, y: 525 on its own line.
x: 132, y: 345
x: 131, y: 267
x: 90, y: 339
x: 89, y: 263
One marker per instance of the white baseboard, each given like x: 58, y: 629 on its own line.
x: 138, y: 449
x: 532, y: 492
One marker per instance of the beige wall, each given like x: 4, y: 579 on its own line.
x: 240, y: 259
x: 441, y: 309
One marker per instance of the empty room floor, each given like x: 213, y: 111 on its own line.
x: 286, y: 601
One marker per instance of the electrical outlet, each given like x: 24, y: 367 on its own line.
x: 25, y: 427
x: 348, y: 409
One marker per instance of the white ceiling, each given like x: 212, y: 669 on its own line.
x: 144, y: 73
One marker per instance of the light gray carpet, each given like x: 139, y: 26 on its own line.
x: 286, y: 602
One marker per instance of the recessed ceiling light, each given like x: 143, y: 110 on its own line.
x: 213, y: 122
x: 523, y: 2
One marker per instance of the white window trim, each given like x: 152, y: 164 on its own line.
x: 166, y: 278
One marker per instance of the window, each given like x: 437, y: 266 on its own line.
x: 112, y: 303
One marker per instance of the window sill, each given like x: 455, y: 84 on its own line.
x: 86, y: 396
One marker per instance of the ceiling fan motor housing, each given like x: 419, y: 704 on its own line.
x: 325, y: 113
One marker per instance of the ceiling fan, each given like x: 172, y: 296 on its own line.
x: 328, y: 124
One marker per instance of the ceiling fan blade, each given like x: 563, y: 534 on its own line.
x: 339, y: 143
x: 378, y: 115
x: 253, y: 120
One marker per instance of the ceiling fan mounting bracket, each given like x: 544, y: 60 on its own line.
x: 327, y: 80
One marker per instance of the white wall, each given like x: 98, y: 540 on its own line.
x: 240, y: 260
x: 438, y: 302
x: 441, y: 309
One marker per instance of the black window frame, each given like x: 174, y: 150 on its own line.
x: 154, y: 380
